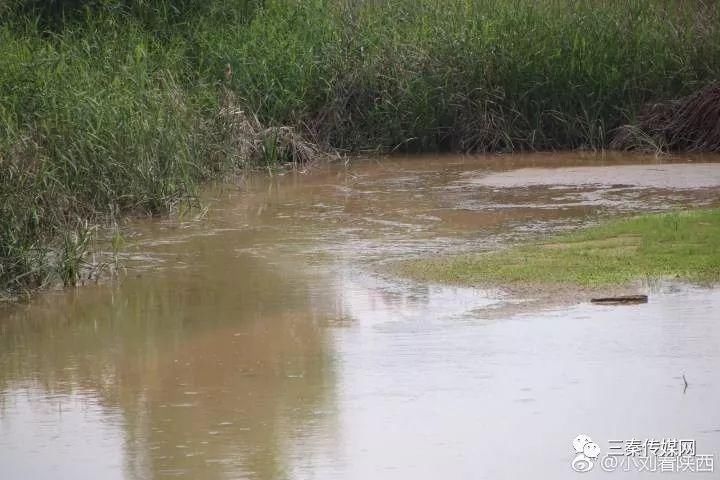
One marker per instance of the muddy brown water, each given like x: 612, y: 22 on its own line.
x: 257, y: 342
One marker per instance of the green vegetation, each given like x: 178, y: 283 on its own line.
x: 679, y: 245
x: 110, y: 107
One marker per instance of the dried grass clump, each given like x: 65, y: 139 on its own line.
x: 690, y: 124
x: 246, y: 142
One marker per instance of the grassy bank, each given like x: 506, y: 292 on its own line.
x: 677, y: 245
x: 110, y: 107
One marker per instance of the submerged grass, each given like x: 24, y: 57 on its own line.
x: 677, y: 245
x: 111, y: 107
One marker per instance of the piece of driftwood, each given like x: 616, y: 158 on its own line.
x: 621, y: 300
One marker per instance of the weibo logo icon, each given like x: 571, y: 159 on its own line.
x: 587, y: 452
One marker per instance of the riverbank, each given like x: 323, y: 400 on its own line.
x: 677, y: 245
x: 112, y: 109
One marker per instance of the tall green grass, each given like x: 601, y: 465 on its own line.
x: 471, y: 74
x: 116, y: 106
x: 97, y: 119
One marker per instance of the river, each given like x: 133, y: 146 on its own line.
x: 262, y: 340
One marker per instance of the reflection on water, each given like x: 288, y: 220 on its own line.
x: 255, y: 344
x: 196, y: 374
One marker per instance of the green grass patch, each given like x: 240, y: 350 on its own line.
x: 684, y: 245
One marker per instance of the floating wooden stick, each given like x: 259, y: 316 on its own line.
x: 622, y: 300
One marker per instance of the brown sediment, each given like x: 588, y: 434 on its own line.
x: 690, y: 124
